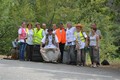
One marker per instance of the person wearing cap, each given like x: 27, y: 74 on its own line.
x: 50, y: 52
x: 81, y: 41
x: 70, y: 43
x: 61, y: 34
x: 38, y: 34
x: 94, y: 47
x: 22, y: 41
x: 98, y: 32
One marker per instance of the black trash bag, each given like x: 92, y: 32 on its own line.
x: 105, y: 62
x: 36, y: 56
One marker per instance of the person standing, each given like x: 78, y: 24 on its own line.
x: 70, y: 43
x: 61, y: 34
x: 81, y: 39
x: 29, y: 41
x: 94, y: 47
x: 38, y: 34
x: 22, y: 41
x: 98, y: 32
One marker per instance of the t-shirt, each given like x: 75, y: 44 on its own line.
x: 45, y: 32
x: 20, y: 32
x: 98, y: 32
x: 50, y: 44
x: 93, y: 40
x: 81, y: 44
x: 30, y: 37
x: 70, y: 38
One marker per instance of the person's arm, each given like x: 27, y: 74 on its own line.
x: 43, y: 42
x: 19, y: 33
x: 87, y: 41
x: 99, y: 33
x: 57, y: 42
x: 86, y: 38
x: 97, y: 41
x: 43, y: 33
x: 57, y: 45
x: 74, y: 29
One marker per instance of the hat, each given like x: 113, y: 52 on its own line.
x: 93, y: 26
x: 61, y: 23
x: 37, y: 23
x: 49, y: 29
x: 79, y: 25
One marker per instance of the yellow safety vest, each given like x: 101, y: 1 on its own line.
x: 37, y: 36
x: 82, y: 38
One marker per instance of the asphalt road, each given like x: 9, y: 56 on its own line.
x: 23, y: 70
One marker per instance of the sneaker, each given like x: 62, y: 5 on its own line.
x: 55, y: 62
x: 94, y: 66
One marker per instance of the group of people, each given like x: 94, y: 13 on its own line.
x: 53, y: 40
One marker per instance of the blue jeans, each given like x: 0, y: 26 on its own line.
x: 22, y: 50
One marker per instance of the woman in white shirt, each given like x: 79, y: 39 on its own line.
x: 94, y: 47
x: 29, y: 41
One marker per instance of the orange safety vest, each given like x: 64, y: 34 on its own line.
x: 61, y: 35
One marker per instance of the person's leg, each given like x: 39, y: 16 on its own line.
x: 60, y: 52
x: 31, y: 52
x: 72, y: 54
x: 44, y: 54
x: 91, y: 54
x: 20, y: 50
x: 68, y: 55
x: 27, y: 52
x: 23, y: 51
x: 78, y: 57
x: 83, y: 57
x: 85, y: 53
x: 61, y: 46
x: 95, y: 57
x: 55, y: 55
x: 98, y: 62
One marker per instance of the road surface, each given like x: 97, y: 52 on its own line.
x: 24, y: 70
